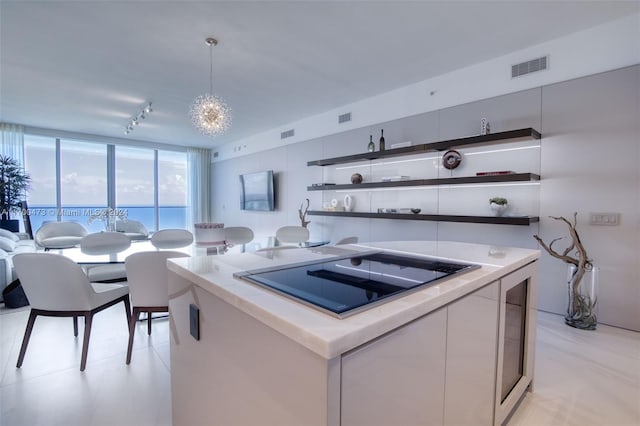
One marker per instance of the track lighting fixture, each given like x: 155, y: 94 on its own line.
x: 135, y: 120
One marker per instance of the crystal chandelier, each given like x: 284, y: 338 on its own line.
x: 209, y: 113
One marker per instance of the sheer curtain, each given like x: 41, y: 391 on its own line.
x: 199, y: 185
x: 12, y: 141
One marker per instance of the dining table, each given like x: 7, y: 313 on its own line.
x: 263, y: 243
x: 77, y: 255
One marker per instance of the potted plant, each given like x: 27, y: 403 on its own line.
x: 498, y: 205
x: 14, y: 183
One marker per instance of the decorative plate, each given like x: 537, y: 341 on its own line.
x: 451, y: 159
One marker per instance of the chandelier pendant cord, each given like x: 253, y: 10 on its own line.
x: 211, y: 68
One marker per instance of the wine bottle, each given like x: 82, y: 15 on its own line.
x: 371, y: 147
x: 381, y: 139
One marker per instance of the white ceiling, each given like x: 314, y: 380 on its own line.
x: 89, y: 66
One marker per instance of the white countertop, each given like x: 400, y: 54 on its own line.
x: 328, y: 336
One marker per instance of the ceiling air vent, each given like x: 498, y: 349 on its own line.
x: 287, y: 134
x: 344, y: 118
x: 528, y: 67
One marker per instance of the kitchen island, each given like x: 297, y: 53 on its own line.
x: 448, y: 353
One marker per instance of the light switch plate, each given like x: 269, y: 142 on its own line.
x: 194, y: 321
x: 606, y: 219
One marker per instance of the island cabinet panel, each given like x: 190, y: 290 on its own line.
x: 242, y: 372
x: 438, y: 356
x: 397, y: 379
x: 472, y: 343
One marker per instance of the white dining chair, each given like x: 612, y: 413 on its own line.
x: 58, y: 287
x: 235, y: 235
x: 347, y: 240
x: 60, y: 235
x: 292, y: 234
x: 133, y: 229
x: 147, y: 276
x: 101, y: 243
x: 171, y: 238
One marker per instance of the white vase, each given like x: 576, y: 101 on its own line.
x: 348, y: 203
x: 582, y: 298
x: 111, y: 223
x: 499, y: 209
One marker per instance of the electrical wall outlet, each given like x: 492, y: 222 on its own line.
x: 607, y: 219
x: 194, y: 321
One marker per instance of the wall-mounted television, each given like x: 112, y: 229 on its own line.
x: 258, y: 191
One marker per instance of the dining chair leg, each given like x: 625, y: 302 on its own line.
x: 27, y: 336
x: 127, y: 308
x: 88, y: 318
x: 132, y: 332
x: 75, y: 326
x: 149, y: 323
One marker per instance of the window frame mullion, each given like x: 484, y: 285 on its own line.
x: 111, y: 176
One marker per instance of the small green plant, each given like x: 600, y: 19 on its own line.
x: 498, y: 200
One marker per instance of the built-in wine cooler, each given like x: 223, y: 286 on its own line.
x: 516, y: 345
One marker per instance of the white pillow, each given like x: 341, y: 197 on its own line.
x: 8, y: 234
x: 7, y: 244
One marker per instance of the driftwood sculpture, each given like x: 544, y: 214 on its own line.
x: 303, y: 214
x: 581, y: 307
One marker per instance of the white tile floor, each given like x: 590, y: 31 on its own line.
x: 582, y: 377
x: 49, y: 389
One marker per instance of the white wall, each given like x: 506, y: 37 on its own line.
x: 602, y: 48
x: 588, y: 161
x: 589, y: 157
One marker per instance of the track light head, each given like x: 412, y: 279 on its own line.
x: 135, y: 120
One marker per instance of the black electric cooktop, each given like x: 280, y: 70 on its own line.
x: 345, y: 286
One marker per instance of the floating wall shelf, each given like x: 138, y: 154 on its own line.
x: 514, y: 177
x: 499, y: 220
x: 491, y: 138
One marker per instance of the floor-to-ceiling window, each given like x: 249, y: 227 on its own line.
x: 172, y: 189
x: 83, y: 182
x: 40, y: 163
x: 72, y: 179
x: 135, y: 188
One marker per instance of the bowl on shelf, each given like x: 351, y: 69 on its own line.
x: 415, y: 211
x: 356, y: 178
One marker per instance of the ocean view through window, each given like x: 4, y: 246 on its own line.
x: 173, y: 216
x: 71, y: 182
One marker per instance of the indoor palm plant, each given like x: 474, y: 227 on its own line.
x: 14, y: 183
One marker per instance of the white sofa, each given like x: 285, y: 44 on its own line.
x: 10, y: 245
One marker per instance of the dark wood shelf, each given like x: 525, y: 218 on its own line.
x: 514, y: 177
x: 499, y: 220
x: 508, y: 136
